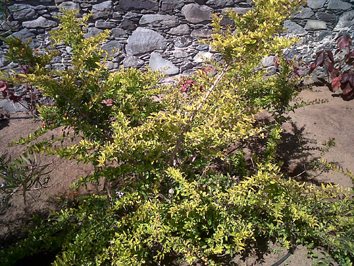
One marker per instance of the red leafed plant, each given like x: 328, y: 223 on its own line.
x: 188, y: 83
x: 341, y: 80
x: 4, y: 89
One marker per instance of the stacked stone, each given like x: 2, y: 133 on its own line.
x: 162, y: 34
x: 318, y: 25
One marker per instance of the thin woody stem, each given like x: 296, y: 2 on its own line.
x: 189, y: 124
x: 76, y: 107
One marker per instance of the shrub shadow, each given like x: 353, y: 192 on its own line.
x: 298, y: 154
x: 16, y: 232
x: 4, y: 123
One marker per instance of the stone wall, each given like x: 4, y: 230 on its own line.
x: 165, y: 33
x: 158, y: 33
x: 319, y: 24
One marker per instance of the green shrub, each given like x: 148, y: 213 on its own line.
x: 173, y: 186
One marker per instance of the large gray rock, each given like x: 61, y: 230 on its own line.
x: 315, y: 25
x: 102, y: 10
x: 294, y: 29
x: 24, y: 35
x: 92, y: 32
x: 201, y: 33
x: 113, y: 48
x: 40, y: 22
x: 303, y: 13
x: 158, y: 63
x: 23, y: 12
x: 132, y: 61
x: 195, y: 13
x: 145, y: 40
x: 338, y: 5
x: 70, y: 6
x: 167, y: 5
x: 138, y: 4
x: 165, y: 20
x: 12, y: 107
x: 345, y: 21
x: 179, y: 30
x: 316, y: 4
x: 326, y: 17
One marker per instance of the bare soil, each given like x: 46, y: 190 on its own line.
x: 303, y: 136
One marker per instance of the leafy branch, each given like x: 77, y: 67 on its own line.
x: 22, y: 174
x: 342, y: 78
x: 190, y: 121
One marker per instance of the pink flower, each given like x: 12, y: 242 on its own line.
x: 108, y: 102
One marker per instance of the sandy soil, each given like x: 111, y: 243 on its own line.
x: 303, y: 135
x: 313, y: 125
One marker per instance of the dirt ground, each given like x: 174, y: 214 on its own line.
x: 303, y: 135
